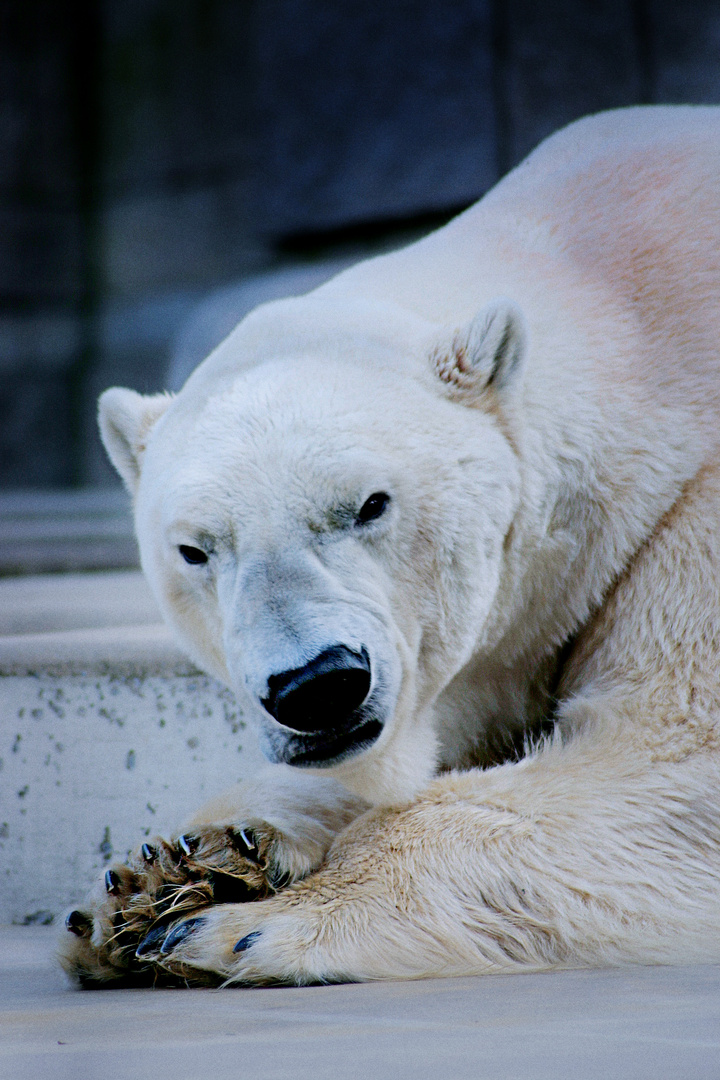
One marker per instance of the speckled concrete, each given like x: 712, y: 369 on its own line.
x: 636, y: 1024
x: 107, y: 735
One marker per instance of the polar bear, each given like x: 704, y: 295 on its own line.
x: 448, y: 527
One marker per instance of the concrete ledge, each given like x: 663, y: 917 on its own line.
x: 54, y: 602
x: 53, y: 531
x: 108, y: 734
x: 124, y: 650
x: 81, y: 624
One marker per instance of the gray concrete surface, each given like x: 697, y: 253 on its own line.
x: 108, y: 734
x: 633, y: 1024
x: 49, y: 603
x: 47, y: 531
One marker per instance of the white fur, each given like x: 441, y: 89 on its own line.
x: 546, y: 455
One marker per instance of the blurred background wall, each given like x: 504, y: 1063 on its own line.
x: 153, y: 150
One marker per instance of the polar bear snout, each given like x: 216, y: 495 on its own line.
x: 333, y: 707
x: 316, y: 663
x: 324, y: 694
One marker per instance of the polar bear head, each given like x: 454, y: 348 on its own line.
x: 325, y: 528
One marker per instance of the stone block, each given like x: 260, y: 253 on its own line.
x: 42, y: 532
x: 108, y: 735
x: 94, y: 764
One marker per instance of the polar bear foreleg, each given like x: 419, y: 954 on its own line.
x: 582, y: 854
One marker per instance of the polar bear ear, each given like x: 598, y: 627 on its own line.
x: 488, y: 353
x: 126, y: 420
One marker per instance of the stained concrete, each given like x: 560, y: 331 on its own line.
x: 108, y: 734
x: 633, y: 1024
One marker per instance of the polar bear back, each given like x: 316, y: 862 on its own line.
x: 615, y: 195
x: 608, y: 238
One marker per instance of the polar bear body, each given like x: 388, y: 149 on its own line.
x: 592, y: 238
x: 483, y: 472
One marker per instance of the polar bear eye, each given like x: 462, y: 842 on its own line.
x: 372, y: 508
x: 192, y: 555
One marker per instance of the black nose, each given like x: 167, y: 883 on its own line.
x: 324, y: 694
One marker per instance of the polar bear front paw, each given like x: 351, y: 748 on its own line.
x: 110, y: 938
x: 274, y: 942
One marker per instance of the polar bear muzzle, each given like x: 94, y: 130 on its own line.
x: 323, y: 708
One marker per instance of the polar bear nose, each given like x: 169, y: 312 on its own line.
x: 324, y: 694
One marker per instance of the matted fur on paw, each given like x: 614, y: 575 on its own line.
x: 110, y: 937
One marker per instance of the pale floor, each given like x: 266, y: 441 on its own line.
x: 654, y: 1023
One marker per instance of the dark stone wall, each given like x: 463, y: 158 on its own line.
x: 153, y: 149
x: 177, y: 143
x: 583, y: 58
x: 43, y: 249
x: 370, y: 112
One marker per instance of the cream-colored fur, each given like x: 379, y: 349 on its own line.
x: 536, y: 387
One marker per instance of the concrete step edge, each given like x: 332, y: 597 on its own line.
x: 122, y: 650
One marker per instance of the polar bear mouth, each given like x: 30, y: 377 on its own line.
x: 322, y: 747
x: 326, y: 710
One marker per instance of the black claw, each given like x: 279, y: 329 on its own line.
x: 187, y: 845
x: 112, y: 882
x: 179, y: 934
x: 78, y: 923
x: 245, y: 942
x: 151, y: 942
x: 149, y: 854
